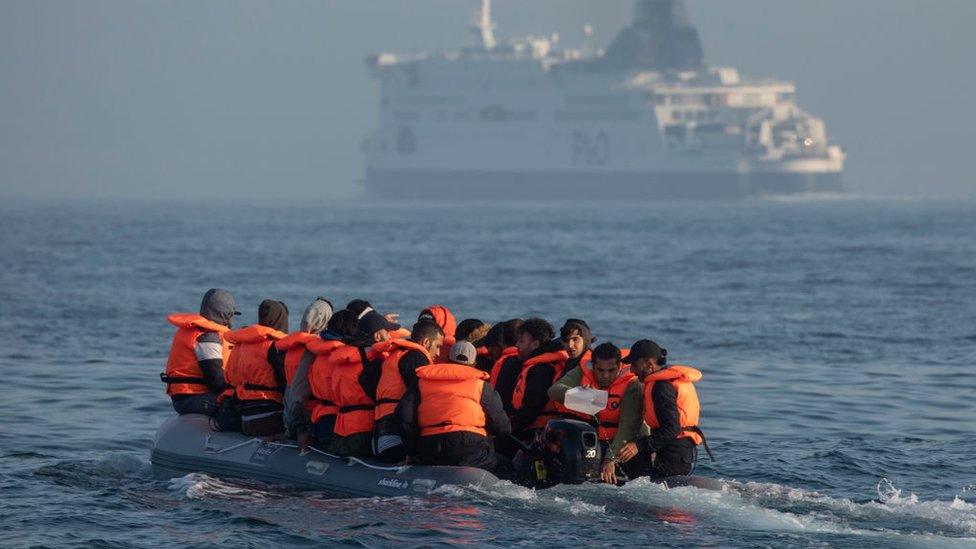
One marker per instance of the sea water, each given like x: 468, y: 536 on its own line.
x: 836, y: 337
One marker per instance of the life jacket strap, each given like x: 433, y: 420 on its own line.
x: 178, y: 379
x: 356, y: 408
x: 610, y: 424
x: 321, y: 401
x: 699, y: 432
x: 387, y: 401
x: 256, y: 387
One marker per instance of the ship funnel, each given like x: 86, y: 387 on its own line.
x: 659, y: 38
x: 484, y: 27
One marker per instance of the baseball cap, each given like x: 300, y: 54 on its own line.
x: 372, y: 322
x: 645, y: 348
x: 463, y: 352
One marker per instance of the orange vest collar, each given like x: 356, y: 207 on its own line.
x: 450, y: 372
x: 191, y: 320
x: 677, y: 371
x: 252, y: 334
x: 295, y: 339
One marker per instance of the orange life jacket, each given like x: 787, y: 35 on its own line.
x: 558, y: 360
x: 609, y: 417
x: 496, y: 370
x: 320, y: 379
x: 355, y: 408
x: 294, y: 347
x: 450, y: 399
x: 391, y: 386
x: 683, y: 379
x: 248, y: 368
x: 183, y: 375
x: 400, y: 333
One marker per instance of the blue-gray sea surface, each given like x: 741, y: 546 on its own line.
x: 837, y: 340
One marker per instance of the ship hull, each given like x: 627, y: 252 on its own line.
x: 460, y: 184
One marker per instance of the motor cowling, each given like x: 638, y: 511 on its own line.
x: 567, y: 451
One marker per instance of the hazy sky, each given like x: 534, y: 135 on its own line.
x: 261, y: 100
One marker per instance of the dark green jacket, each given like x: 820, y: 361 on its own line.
x: 631, y: 424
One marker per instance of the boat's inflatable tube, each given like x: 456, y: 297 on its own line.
x: 186, y: 444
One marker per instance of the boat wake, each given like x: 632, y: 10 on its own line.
x: 893, y: 518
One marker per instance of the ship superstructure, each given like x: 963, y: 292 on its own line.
x: 644, y: 118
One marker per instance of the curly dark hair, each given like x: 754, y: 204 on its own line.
x: 538, y: 329
x: 344, y: 322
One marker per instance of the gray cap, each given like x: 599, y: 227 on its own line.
x: 317, y: 315
x: 463, y: 352
x: 218, y: 305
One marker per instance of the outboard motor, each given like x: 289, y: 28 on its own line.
x: 567, y: 451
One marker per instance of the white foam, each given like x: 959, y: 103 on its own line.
x: 200, y: 486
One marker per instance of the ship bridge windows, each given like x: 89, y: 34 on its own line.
x: 694, y: 115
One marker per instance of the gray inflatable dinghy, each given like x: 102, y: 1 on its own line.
x: 186, y: 444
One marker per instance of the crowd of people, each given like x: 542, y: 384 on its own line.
x: 354, y: 382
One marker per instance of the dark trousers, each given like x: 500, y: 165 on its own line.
x: 675, y: 459
x: 460, y: 448
x: 260, y: 418
x: 205, y: 404
x: 323, y: 429
x: 227, y: 417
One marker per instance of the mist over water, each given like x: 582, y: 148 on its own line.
x: 836, y: 338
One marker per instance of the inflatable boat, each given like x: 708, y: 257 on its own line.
x: 186, y: 444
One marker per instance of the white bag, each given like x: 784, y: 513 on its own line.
x: 586, y: 400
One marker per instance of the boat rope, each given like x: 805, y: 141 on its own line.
x: 351, y: 460
x: 234, y: 447
x: 398, y: 468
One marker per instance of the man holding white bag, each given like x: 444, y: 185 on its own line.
x: 602, y: 381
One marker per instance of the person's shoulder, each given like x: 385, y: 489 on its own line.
x: 663, y: 390
x: 635, y: 386
x: 209, y: 337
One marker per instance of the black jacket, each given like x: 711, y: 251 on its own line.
x: 664, y: 398
x: 507, y: 378
x: 537, y: 384
x: 212, y: 368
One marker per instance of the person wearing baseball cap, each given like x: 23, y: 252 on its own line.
x: 670, y: 409
x: 194, y: 373
x: 445, y: 419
